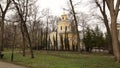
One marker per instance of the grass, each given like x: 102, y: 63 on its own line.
x: 53, y: 59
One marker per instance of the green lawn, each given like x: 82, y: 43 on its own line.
x: 53, y: 59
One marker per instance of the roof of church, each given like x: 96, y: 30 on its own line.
x: 64, y: 19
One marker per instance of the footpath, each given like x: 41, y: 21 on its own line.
x: 9, y: 65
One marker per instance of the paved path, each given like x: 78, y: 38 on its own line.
x: 9, y: 65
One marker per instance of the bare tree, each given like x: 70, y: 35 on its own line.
x: 3, y: 13
x: 34, y: 25
x: 53, y: 22
x: 22, y: 10
x: 114, y: 10
x: 76, y: 24
x: 102, y: 9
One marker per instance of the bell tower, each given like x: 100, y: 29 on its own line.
x: 63, y: 17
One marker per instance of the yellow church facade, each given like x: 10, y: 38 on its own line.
x: 64, y: 29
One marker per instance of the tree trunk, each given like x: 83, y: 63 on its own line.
x: 56, y: 40
x: 114, y: 11
x: 109, y: 34
x: 103, y: 12
x: 28, y: 38
x: 65, y: 39
x: 23, y: 18
x: 24, y: 46
x: 2, y: 33
x: 23, y: 37
x: 41, y: 39
x: 3, y: 11
x: 76, y: 25
x: 115, y: 44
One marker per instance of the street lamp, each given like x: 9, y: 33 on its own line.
x: 15, y: 24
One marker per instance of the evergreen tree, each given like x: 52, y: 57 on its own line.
x: 65, y: 38
x: 67, y: 43
x: 61, y: 40
x: 93, y: 38
x: 49, y: 42
x: 53, y: 42
x: 56, y: 42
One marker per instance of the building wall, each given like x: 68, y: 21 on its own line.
x: 118, y: 29
x: 62, y: 25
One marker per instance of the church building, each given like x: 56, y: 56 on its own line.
x: 63, y: 34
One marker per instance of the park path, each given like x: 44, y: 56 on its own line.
x: 9, y: 65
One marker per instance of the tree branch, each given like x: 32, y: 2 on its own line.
x: 7, y: 6
x: 96, y: 1
x: 26, y: 14
x: 19, y: 13
x: 103, y: 5
x: 1, y: 8
x: 117, y: 7
x: 108, y: 4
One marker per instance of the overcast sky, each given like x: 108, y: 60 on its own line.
x: 56, y: 6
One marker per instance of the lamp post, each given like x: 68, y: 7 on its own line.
x: 12, y: 56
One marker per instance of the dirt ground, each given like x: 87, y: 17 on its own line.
x: 9, y: 65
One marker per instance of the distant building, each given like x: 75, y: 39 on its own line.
x: 118, y: 29
x: 64, y: 28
